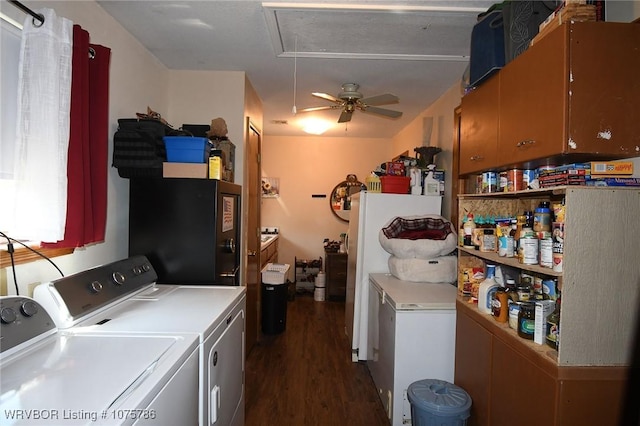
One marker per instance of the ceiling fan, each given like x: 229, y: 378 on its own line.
x: 350, y: 99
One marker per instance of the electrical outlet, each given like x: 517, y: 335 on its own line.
x: 30, y: 288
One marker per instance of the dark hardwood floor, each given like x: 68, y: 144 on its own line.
x: 304, y: 376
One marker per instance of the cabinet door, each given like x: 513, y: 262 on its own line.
x: 573, y: 92
x: 604, y: 116
x: 521, y: 393
x: 533, y: 96
x: 473, y: 366
x: 479, y: 127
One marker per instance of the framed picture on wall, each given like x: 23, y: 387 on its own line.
x: 270, y: 187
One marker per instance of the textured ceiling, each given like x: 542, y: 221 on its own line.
x: 415, y: 50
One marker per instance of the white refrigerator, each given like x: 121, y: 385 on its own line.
x: 370, y: 212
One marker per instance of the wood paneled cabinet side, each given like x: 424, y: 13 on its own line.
x: 479, y: 127
x: 473, y: 366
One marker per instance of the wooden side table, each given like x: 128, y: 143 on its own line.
x: 336, y: 270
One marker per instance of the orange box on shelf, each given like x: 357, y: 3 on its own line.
x: 395, y: 184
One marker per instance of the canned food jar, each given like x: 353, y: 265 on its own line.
x: 529, y: 248
x: 528, y: 176
x: 502, y: 182
x: 542, y: 218
x: 546, y: 253
x: 526, y: 320
x: 489, y: 182
x: 514, y: 310
x: 515, y: 180
x: 524, y: 293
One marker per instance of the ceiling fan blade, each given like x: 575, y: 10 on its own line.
x: 385, y: 99
x: 383, y: 111
x: 345, y: 116
x: 327, y: 97
x: 319, y: 108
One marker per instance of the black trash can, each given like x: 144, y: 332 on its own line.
x: 274, y: 308
x: 275, y: 294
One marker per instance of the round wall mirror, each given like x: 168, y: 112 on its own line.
x: 340, y: 199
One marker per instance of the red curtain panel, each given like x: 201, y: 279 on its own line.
x: 87, y: 167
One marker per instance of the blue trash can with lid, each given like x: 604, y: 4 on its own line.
x: 437, y: 402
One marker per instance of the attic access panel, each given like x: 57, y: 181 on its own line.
x: 371, y: 32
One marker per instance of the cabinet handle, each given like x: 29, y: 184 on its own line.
x: 525, y: 143
x: 476, y: 158
x: 251, y: 253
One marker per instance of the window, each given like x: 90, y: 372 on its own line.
x: 10, y: 37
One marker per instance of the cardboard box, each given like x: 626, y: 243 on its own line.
x: 185, y: 170
x: 543, y: 309
x: 611, y: 168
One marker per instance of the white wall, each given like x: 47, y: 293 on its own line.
x: 440, y: 115
x: 137, y: 80
x: 306, y: 166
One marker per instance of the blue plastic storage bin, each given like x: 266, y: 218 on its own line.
x: 186, y: 149
x: 487, y: 47
x: 437, y: 402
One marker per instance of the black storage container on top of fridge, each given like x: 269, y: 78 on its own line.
x: 189, y: 229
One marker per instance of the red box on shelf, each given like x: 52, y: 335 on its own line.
x: 395, y: 184
x: 396, y: 168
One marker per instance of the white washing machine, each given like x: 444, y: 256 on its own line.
x: 215, y: 314
x: 54, y: 377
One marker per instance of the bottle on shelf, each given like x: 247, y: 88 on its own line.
x: 528, y: 214
x: 469, y: 226
x: 478, y: 232
x: 486, y: 290
x: 215, y: 164
x: 431, y: 184
x: 542, y: 217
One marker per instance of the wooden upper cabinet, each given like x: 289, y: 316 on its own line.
x: 572, y: 96
x: 479, y: 127
x: 573, y: 92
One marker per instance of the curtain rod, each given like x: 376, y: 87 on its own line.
x: 36, y: 16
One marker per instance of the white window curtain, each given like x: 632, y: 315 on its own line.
x: 42, y: 133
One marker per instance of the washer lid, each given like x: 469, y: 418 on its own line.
x: 170, y: 309
x: 80, y: 377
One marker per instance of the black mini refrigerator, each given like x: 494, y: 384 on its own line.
x: 189, y: 229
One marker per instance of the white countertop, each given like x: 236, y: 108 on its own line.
x: 266, y: 240
x: 405, y: 295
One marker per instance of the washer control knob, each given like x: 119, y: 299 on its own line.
x: 118, y: 278
x: 95, y: 287
x: 7, y: 315
x: 146, y: 267
x: 29, y: 308
x: 137, y: 270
